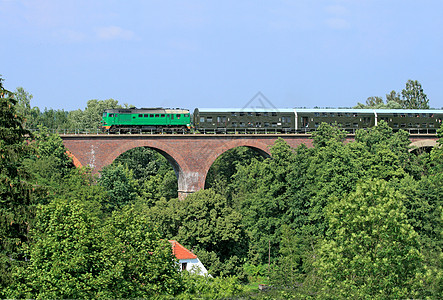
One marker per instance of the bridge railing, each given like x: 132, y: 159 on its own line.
x: 411, y: 131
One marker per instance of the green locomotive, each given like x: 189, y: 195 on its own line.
x: 136, y: 120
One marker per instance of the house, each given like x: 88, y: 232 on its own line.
x: 188, y: 260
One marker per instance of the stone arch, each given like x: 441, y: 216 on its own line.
x: 173, y: 157
x: 422, y: 144
x: 260, y: 147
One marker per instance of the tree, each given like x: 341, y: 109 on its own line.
x: 413, y: 96
x: 23, y: 103
x: 119, y: 184
x: 90, y: 118
x: 16, y: 205
x: 76, y: 254
x: 370, y: 251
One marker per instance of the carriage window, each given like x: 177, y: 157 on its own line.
x: 258, y: 114
x: 145, y: 115
x: 202, y: 119
x: 157, y: 115
x: 234, y: 124
x: 249, y: 114
x: 242, y: 124
x: 316, y: 115
x: 274, y: 124
x: 233, y: 114
x: 242, y: 114
x: 403, y: 125
x: 111, y: 115
x: 395, y: 125
x: 274, y: 114
x: 316, y: 125
x: 265, y: 114
x: 209, y: 119
x: 257, y: 124
x: 163, y: 115
x: 178, y: 116
x: 140, y: 115
x: 355, y: 125
x: 266, y: 124
x: 424, y: 125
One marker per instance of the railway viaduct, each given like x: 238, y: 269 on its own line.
x: 191, y: 155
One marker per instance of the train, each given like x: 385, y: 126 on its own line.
x: 265, y: 120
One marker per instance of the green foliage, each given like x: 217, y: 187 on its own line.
x: 90, y: 117
x: 326, y: 134
x: 413, y: 96
x: 370, y: 251
x: 119, y: 184
x: 75, y: 255
x: 205, y: 223
x: 204, y: 287
x: 16, y: 203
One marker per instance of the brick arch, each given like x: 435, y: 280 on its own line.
x: 174, y: 158
x: 261, y: 148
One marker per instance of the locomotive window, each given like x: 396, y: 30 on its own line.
x: 178, y: 115
x: 104, y: 115
x: 202, y: 119
x: 111, y: 115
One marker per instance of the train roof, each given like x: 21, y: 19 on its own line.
x: 322, y: 110
x: 157, y: 110
x: 246, y: 109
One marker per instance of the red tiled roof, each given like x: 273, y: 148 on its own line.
x: 181, y: 252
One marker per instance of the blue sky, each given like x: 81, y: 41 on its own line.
x: 327, y: 53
